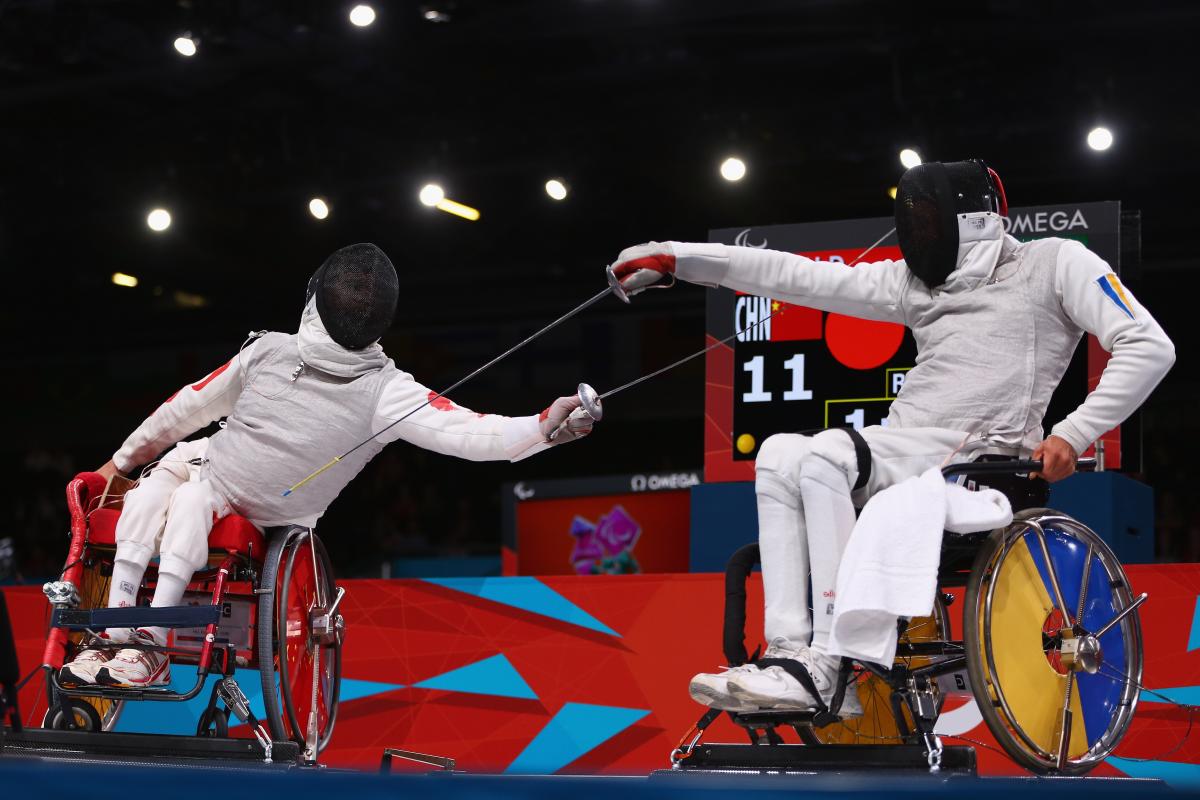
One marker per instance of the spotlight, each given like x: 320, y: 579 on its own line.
x: 186, y: 45
x: 362, y: 15
x: 433, y: 15
x: 1100, y: 138
x: 121, y: 279
x: 318, y: 208
x: 556, y: 189
x: 733, y: 169
x: 159, y: 220
x: 909, y: 158
x: 431, y: 194
x: 892, y: 192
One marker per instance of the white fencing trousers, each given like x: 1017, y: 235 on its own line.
x: 806, y: 513
x: 170, y: 514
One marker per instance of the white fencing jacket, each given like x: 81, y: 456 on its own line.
x: 992, y: 342
x: 293, y: 403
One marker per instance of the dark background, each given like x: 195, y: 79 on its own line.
x: 633, y: 102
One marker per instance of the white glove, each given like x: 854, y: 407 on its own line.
x: 645, y: 266
x: 565, y: 409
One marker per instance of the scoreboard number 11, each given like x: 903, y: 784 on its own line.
x: 756, y: 368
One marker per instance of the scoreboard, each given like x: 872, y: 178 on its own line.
x: 793, y: 368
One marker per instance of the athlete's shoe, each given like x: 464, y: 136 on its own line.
x: 774, y: 688
x: 81, y: 671
x: 712, y: 689
x: 134, y: 668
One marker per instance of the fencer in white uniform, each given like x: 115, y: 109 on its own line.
x: 291, y: 402
x: 996, y: 322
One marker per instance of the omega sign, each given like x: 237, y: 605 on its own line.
x: 1045, y: 222
x: 655, y: 483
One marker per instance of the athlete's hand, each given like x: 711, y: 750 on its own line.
x: 567, y: 409
x: 639, y: 268
x: 1057, y: 457
x: 108, y: 471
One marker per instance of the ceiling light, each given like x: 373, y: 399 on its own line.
x: 457, y: 209
x: 556, y: 189
x: 909, y: 158
x: 733, y: 169
x: 121, y: 279
x: 186, y: 46
x: 892, y: 192
x: 318, y: 208
x: 431, y: 194
x: 1100, y: 138
x: 159, y: 220
x: 362, y: 15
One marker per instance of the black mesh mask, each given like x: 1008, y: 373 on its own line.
x: 927, y: 201
x: 356, y: 290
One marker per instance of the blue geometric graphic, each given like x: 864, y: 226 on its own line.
x: 181, y: 718
x: 1177, y: 774
x: 495, y: 676
x: 1187, y: 695
x: 576, y: 729
x: 527, y: 594
x: 353, y: 689
x: 1194, y: 636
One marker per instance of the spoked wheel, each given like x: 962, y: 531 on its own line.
x: 305, y: 639
x: 878, y: 724
x: 1057, y: 697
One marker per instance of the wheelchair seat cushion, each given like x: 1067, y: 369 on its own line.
x: 228, y: 533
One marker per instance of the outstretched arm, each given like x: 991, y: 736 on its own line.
x: 185, y: 412
x: 1095, y: 300
x: 870, y: 290
x: 452, y: 430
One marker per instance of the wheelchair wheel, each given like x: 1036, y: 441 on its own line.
x: 878, y: 724
x: 1051, y: 708
x: 308, y: 664
x: 72, y: 715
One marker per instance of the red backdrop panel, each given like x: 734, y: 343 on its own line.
x: 403, y: 632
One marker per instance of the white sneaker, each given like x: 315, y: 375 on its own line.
x: 133, y: 668
x: 775, y: 688
x: 81, y: 671
x: 712, y: 689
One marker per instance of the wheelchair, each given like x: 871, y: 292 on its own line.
x: 264, y: 602
x: 1051, y: 650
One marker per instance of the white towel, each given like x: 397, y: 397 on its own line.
x: 890, y: 566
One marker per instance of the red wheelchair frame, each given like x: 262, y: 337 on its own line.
x: 266, y: 603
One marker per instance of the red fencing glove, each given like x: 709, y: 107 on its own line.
x: 565, y: 410
x: 646, y: 266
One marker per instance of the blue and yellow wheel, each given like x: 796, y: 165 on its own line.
x: 1052, y: 703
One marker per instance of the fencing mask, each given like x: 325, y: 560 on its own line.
x: 356, y: 290
x: 928, y: 200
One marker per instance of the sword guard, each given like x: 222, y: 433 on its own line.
x: 590, y: 407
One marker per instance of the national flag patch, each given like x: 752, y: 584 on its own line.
x: 1112, y: 287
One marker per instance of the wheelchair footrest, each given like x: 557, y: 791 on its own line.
x: 78, y: 619
x: 827, y: 758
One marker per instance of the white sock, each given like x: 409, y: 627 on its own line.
x: 168, y: 592
x: 122, y: 592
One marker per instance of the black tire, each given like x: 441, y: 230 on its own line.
x: 336, y: 655
x: 71, y: 715
x: 265, y: 634
x: 214, y: 723
x: 987, y: 562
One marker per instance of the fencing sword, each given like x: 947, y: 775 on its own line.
x: 592, y: 403
x: 611, y: 289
